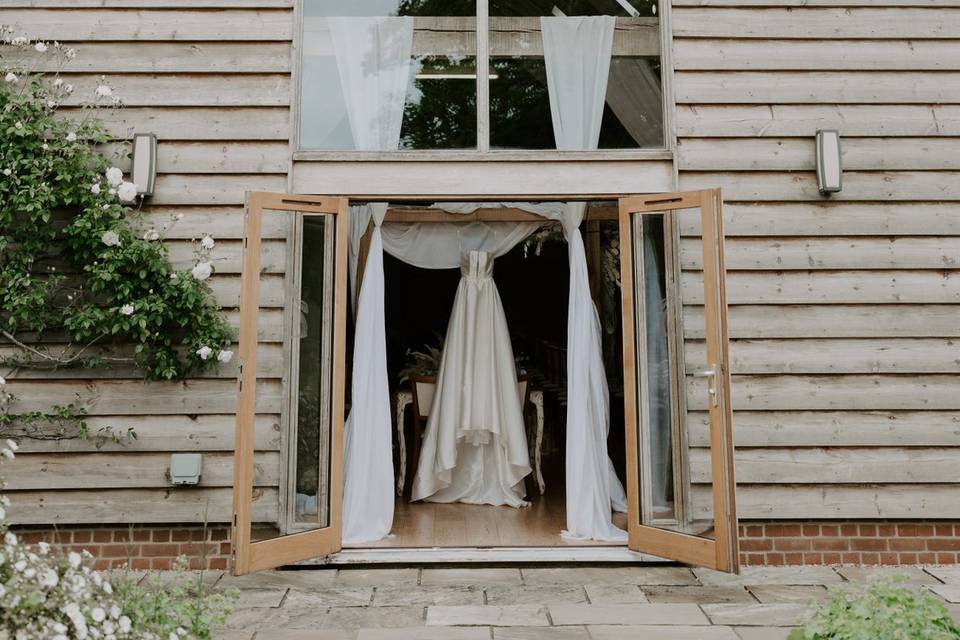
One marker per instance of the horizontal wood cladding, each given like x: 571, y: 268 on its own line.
x: 219, y: 157
x: 201, y: 123
x: 800, y: 4
x: 817, y: 23
x: 187, y: 90
x: 817, y: 87
x: 776, y: 120
x: 36, y: 471
x: 843, y: 501
x: 145, y: 4
x: 97, y: 506
x: 835, y: 429
x: 798, y: 154
x: 802, y: 186
x: 732, y: 54
x: 114, y: 23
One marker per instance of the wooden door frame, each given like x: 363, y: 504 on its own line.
x: 249, y: 556
x: 721, y: 552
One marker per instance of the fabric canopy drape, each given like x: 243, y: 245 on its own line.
x: 577, y: 55
x: 439, y: 245
x: 374, y: 62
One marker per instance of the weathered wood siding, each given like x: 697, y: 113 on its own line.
x: 212, y: 78
x: 844, y: 316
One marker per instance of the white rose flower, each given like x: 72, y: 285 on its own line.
x: 95, y: 188
x: 124, y: 623
x: 204, y: 352
x: 115, y: 612
x: 19, y: 41
x: 13, y: 446
x: 151, y: 234
x: 207, y: 242
x: 68, y: 88
x: 40, y: 47
x: 51, y: 104
x: 20, y: 565
x: 3, y: 380
x: 43, y: 547
x: 71, y: 137
x: 49, y: 578
x: 202, y: 271
x: 127, y: 191
x: 103, y: 91
x: 114, y: 176
x: 6, y: 453
x: 225, y: 356
x: 98, y: 614
x: 45, y: 146
x: 10, y: 77
x: 18, y: 125
x: 3, y: 513
x: 7, y: 172
x: 126, y: 310
x: 74, y: 559
x: 10, y: 539
x: 110, y: 238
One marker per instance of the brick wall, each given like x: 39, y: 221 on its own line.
x: 140, y: 547
x: 879, y: 542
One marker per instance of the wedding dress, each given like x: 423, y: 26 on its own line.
x: 475, y: 448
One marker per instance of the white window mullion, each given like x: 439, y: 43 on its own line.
x: 483, y: 75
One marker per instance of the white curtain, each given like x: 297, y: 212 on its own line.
x: 374, y: 62
x: 577, y: 56
x: 368, y: 452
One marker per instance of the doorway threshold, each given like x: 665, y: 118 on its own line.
x: 487, y: 555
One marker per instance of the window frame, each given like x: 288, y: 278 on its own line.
x: 482, y: 151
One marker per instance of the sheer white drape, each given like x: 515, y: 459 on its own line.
x: 440, y: 245
x: 374, y: 62
x: 577, y: 56
x: 368, y: 450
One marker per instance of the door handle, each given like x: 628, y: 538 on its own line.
x: 711, y: 376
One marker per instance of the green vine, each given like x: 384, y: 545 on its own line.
x: 78, y: 262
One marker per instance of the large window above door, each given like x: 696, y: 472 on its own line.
x: 408, y: 75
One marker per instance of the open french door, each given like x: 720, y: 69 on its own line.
x: 292, y: 309
x: 680, y: 481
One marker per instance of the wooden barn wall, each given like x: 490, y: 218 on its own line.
x: 844, y: 316
x: 212, y: 79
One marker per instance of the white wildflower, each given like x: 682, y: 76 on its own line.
x: 104, y: 91
x: 225, y: 356
x: 58, y: 82
x: 71, y: 53
x: 74, y: 559
x: 95, y: 188
x: 68, y: 88
x: 204, y: 352
x: 126, y: 309
x: 202, y: 271
x: 110, y: 238
x: 10, y: 77
x: 114, y: 176
x: 45, y: 146
x: 151, y: 234
x: 127, y: 191
x: 71, y: 137
x: 40, y: 47
x: 207, y: 242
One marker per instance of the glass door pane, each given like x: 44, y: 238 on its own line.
x: 292, y: 312
x: 676, y: 376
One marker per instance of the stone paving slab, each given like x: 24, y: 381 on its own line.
x: 769, y: 615
x: 772, y: 593
x: 427, y: 596
x: 376, y: 577
x: 697, y: 595
x: 329, y: 597
x: 658, y: 632
x: 949, y: 574
x: 307, y: 634
x: 615, y: 594
x: 426, y: 633
x: 949, y: 592
x: 280, y: 579
x: 769, y: 575
x: 763, y: 633
x: 540, y: 633
x: 259, y: 598
x: 371, y: 617
x: 609, y: 575
x: 627, y: 614
x: 914, y: 575
x: 521, y: 615
x: 558, y: 594
x: 476, y: 577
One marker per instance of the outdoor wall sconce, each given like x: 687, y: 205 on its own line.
x: 185, y: 468
x: 829, y: 169
x: 144, y: 170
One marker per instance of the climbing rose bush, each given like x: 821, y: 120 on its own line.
x: 75, y: 255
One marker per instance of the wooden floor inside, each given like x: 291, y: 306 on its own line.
x: 425, y: 524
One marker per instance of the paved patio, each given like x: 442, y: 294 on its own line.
x: 569, y: 603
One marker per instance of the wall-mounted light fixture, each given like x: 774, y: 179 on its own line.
x: 185, y: 468
x: 829, y: 169
x: 144, y: 171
